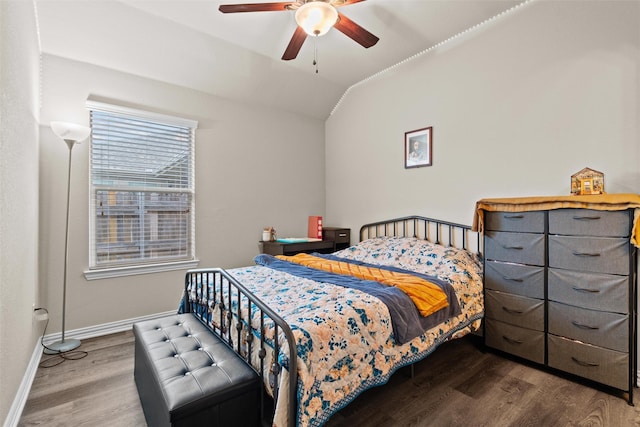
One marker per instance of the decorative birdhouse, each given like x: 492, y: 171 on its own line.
x: 587, y: 181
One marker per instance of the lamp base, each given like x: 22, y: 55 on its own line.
x: 62, y: 346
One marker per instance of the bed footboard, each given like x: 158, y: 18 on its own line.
x: 225, y: 306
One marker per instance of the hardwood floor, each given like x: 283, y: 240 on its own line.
x: 97, y: 390
x: 458, y: 385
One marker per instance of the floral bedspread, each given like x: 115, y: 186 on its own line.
x: 344, y: 336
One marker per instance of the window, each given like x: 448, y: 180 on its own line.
x: 142, y: 188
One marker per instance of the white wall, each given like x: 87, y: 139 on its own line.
x: 19, y: 106
x: 254, y: 167
x: 517, y: 106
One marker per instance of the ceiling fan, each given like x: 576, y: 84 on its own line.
x: 314, y: 17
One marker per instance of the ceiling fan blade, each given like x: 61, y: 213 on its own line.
x: 295, y: 44
x: 340, y: 3
x: 254, y: 7
x: 355, y: 31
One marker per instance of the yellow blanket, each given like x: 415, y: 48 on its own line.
x: 428, y: 297
x: 596, y: 202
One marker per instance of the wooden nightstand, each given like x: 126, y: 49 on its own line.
x: 335, y: 238
x: 341, y: 236
x: 281, y: 248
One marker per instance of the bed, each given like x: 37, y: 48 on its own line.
x: 349, y: 332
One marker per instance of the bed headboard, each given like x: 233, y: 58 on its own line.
x: 433, y: 230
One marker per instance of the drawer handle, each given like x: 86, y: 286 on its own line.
x: 591, y: 291
x: 514, y: 247
x: 583, y: 363
x: 511, y: 340
x: 512, y: 279
x: 342, y: 235
x: 585, y: 218
x: 512, y: 311
x: 586, y: 254
x: 583, y: 326
x: 515, y: 216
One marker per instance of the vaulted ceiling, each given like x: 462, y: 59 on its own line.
x: 191, y: 44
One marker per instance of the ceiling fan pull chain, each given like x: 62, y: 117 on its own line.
x: 315, y: 53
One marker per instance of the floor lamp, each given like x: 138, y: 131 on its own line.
x: 71, y: 134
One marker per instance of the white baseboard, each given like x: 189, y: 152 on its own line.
x: 104, y: 329
x: 25, y: 387
x: 15, y: 412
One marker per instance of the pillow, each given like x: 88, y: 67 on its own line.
x: 416, y: 255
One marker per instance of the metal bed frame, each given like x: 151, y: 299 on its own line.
x: 242, y: 338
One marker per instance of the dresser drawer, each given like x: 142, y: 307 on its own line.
x: 609, y: 330
x: 531, y: 222
x: 517, y: 279
x: 587, y: 222
x: 599, y: 364
x: 605, y: 292
x: 524, y: 248
x: 596, y: 254
x: 521, y: 342
x: 515, y: 309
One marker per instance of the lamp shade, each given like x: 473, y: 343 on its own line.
x: 316, y: 17
x: 70, y: 131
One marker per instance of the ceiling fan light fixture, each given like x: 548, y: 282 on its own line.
x: 316, y: 17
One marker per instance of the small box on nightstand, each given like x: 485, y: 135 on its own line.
x: 341, y: 236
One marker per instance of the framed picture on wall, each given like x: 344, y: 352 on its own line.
x: 418, y: 148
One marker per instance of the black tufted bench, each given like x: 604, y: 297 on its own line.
x: 186, y: 375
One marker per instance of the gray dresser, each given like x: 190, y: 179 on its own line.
x: 560, y: 290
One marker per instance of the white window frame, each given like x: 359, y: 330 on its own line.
x: 108, y: 271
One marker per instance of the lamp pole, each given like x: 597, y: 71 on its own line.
x: 80, y: 133
x: 65, y: 345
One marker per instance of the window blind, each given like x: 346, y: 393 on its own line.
x: 142, y: 187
